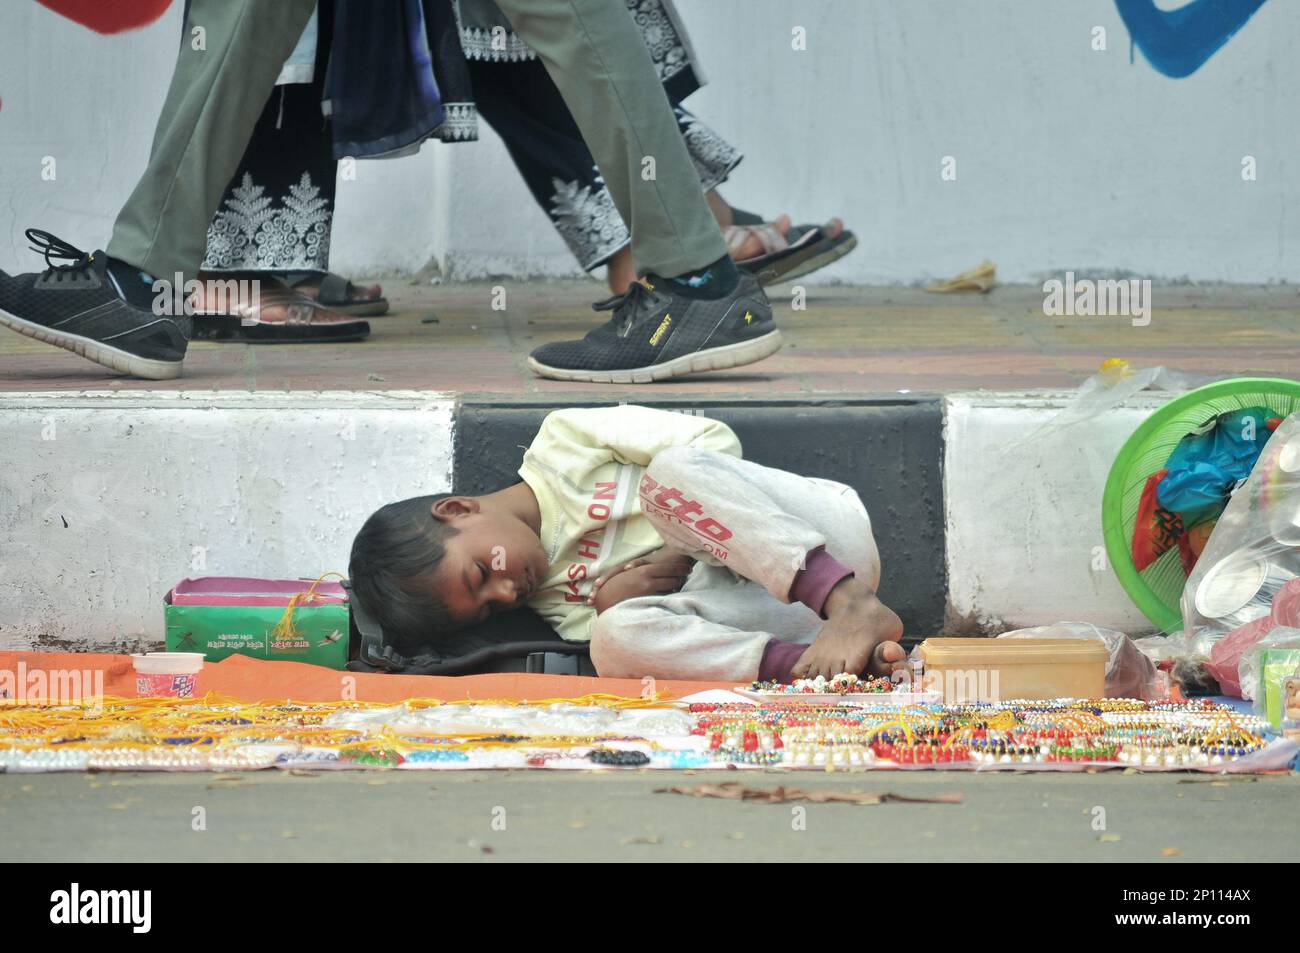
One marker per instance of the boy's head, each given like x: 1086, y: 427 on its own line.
x: 434, y: 564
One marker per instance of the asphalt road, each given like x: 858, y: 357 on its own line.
x: 618, y: 816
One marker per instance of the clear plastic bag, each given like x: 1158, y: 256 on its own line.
x: 1129, y: 673
x: 1246, y: 582
x: 1175, y: 661
x: 1265, y: 667
x: 1111, y: 387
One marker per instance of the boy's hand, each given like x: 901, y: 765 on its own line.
x: 860, y: 636
x: 661, y: 571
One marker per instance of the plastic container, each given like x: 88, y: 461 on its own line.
x: 167, y: 674
x: 993, y: 670
x: 1239, y: 588
x: 1158, y: 589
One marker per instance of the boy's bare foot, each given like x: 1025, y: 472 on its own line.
x: 860, y: 636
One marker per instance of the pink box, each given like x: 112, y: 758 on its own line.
x: 250, y: 591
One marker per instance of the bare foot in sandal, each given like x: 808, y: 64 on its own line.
x: 356, y: 293
x: 834, y: 228
x: 264, y: 301
x: 751, y: 241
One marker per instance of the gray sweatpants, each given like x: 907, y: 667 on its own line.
x: 750, y: 527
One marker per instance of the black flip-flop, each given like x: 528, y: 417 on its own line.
x: 337, y: 293
x: 810, y: 249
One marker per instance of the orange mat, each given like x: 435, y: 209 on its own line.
x: 250, y: 680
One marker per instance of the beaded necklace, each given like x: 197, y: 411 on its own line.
x: 1193, y: 734
x: 220, y: 733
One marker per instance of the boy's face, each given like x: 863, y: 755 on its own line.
x: 492, y: 563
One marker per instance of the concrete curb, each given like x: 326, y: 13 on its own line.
x: 1022, y: 526
x: 111, y: 498
x: 888, y: 449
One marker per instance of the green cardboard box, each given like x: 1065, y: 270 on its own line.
x: 289, y: 620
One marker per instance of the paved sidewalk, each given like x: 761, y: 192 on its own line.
x: 576, y: 816
x: 849, y: 340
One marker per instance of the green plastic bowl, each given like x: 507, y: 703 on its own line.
x: 1158, y: 589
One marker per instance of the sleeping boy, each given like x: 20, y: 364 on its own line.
x: 644, y: 532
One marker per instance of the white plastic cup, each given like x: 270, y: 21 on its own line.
x: 1240, y: 588
x: 166, y: 674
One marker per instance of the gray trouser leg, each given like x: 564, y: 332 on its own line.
x: 598, y: 60
x: 212, y: 105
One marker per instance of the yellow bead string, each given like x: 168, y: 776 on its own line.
x: 285, y: 629
x: 212, y: 722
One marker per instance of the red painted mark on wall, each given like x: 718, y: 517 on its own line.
x: 108, y: 18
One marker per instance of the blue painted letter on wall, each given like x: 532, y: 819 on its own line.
x: 1177, y: 42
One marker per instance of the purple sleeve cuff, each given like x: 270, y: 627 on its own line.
x: 778, y: 659
x: 822, y: 572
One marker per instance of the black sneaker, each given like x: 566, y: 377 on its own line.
x: 657, y: 333
x: 78, y: 307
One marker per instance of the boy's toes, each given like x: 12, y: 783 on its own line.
x: 888, y: 657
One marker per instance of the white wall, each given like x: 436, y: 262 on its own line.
x: 107, y: 500
x: 87, y: 101
x: 1066, y: 157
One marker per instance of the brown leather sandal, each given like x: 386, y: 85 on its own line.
x: 297, y: 319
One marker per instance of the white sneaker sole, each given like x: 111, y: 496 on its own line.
x: 713, y: 359
x: 103, y: 354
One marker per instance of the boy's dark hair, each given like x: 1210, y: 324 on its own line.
x: 393, y: 560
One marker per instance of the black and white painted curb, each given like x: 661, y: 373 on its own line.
x: 110, y: 498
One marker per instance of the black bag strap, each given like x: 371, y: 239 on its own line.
x: 373, y: 654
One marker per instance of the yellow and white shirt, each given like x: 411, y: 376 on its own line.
x: 585, y: 467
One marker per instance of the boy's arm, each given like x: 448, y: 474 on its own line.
x: 577, y: 441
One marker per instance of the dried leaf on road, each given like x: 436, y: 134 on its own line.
x: 735, y: 791
x: 980, y: 279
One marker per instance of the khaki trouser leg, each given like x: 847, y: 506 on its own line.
x: 212, y: 105
x: 598, y: 60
